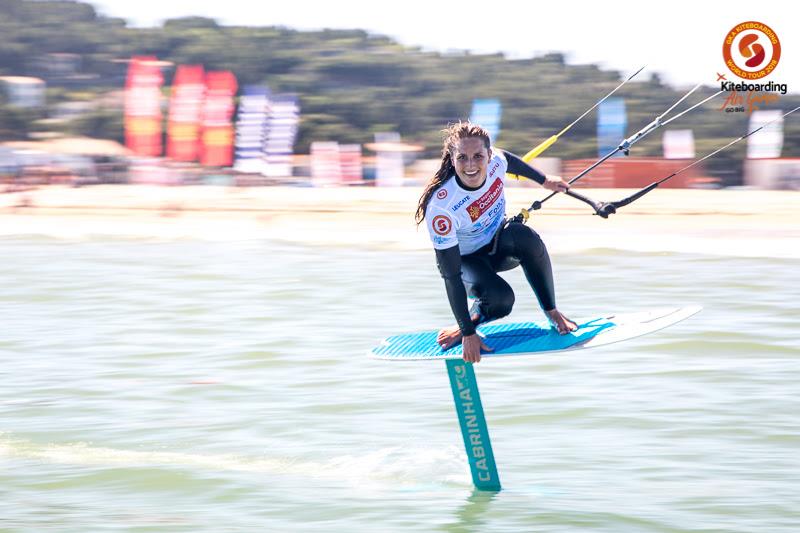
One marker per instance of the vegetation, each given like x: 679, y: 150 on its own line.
x: 350, y: 83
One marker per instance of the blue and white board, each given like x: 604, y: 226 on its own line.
x: 525, y: 338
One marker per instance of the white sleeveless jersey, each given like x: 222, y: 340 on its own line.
x: 469, y: 219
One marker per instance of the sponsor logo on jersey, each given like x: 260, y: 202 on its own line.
x: 490, y: 222
x: 441, y: 224
x: 498, y: 208
x: 482, y: 204
x: 494, y: 168
x: 460, y: 203
x: 442, y: 194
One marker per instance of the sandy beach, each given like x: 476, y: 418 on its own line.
x: 727, y: 222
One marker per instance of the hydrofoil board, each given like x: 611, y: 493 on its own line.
x: 526, y: 338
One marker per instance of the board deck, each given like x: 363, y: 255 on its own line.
x: 526, y: 338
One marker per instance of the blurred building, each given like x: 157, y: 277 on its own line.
x: 781, y: 174
x: 62, y: 69
x: 58, y: 66
x: 635, y: 173
x: 22, y: 91
x: 66, y: 160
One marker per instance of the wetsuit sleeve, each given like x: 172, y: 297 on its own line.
x: 519, y: 167
x: 449, y: 263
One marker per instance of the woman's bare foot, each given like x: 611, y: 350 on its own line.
x: 448, y: 337
x: 563, y: 324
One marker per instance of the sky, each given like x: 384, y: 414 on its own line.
x: 680, y: 40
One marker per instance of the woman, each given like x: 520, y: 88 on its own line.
x: 464, y: 205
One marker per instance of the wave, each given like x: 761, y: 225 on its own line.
x: 404, y: 465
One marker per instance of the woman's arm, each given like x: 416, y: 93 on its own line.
x: 519, y: 167
x: 449, y: 263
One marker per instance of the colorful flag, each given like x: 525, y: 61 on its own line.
x: 217, y: 146
x: 678, y: 144
x: 350, y: 162
x: 143, y: 106
x: 767, y: 143
x: 389, y: 168
x: 280, y: 134
x: 611, y: 124
x: 326, y: 169
x: 250, y: 129
x: 185, y: 108
x: 487, y: 113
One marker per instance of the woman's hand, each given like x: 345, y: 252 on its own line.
x: 555, y: 184
x: 472, y: 345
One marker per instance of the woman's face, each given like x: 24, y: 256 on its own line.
x: 471, y: 159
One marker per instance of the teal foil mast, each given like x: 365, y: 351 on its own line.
x: 473, y: 425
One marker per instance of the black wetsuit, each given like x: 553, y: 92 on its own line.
x: 476, y: 272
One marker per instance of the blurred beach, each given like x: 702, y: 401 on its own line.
x: 738, y: 222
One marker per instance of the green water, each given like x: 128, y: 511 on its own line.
x: 207, y: 386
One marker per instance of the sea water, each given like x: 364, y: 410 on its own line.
x: 223, y: 386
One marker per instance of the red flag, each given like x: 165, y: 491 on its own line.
x: 143, y: 106
x: 185, y: 106
x: 217, y: 147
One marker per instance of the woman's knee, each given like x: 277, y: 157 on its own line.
x: 501, y: 302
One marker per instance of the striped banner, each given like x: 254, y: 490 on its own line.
x: 280, y: 134
x: 217, y: 145
x: 143, y: 106
x: 251, y: 128
x: 185, y: 108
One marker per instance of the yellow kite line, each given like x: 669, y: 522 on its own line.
x: 536, y: 152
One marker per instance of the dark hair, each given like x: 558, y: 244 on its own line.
x: 452, y: 134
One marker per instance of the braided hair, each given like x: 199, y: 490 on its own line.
x: 452, y: 134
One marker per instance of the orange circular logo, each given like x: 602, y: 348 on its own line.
x: 441, y: 224
x: 751, y: 50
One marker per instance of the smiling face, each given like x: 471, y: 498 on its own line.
x: 471, y: 159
